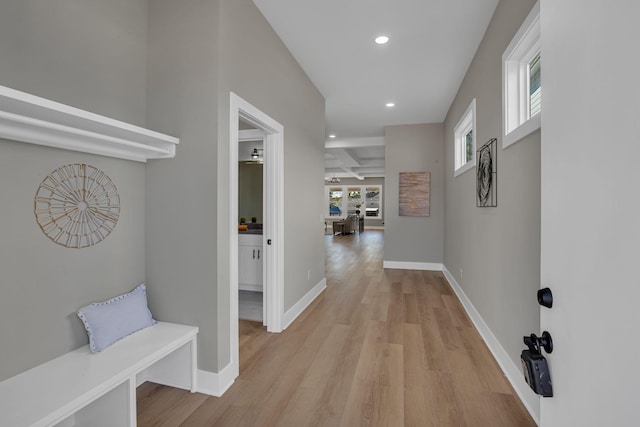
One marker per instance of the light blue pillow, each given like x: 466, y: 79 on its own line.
x: 109, y: 321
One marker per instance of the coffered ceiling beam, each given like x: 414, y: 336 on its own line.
x: 356, y: 143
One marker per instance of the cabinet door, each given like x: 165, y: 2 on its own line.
x: 250, y: 263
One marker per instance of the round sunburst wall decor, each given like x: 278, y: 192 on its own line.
x: 77, y: 205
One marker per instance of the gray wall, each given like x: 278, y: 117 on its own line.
x: 181, y: 192
x: 199, y: 51
x: 95, y: 55
x: 494, y: 253
x: 414, y: 148
x: 256, y: 66
x: 68, y: 51
x: 89, y: 54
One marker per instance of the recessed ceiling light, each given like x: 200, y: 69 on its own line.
x: 382, y: 39
x: 390, y: 104
x: 332, y: 136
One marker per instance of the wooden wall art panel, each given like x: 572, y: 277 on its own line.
x: 415, y: 189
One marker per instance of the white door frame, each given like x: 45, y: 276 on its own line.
x: 273, y: 230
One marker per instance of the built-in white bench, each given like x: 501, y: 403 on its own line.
x: 86, y: 389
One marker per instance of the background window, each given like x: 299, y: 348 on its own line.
x: 373, y: 207
x: 354, y: 202
x: 346, y: 200
x: 335, y: 201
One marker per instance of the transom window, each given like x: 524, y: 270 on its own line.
x: 522, y: 82
x: 465, y: 140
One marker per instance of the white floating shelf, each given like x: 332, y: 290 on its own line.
x: 29, y: 118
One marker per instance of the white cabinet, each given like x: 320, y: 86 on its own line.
x: 250, y: 256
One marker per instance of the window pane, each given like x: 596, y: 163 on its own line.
x: 469, y: 146
x: 535, y: 87
x: 465, y: 140
x: 372, y: 208
x: 373, y: 194
x: 335, y: 198
x: 354, y: 198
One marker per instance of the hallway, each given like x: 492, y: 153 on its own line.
x: 378, y: 347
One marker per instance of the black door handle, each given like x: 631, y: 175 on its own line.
x: 545, y: 297
x: 535, y: 343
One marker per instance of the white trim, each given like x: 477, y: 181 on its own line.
x: 274, y: 211
x: 31, y: 119
x: 375, y: 141
x: 466, y: 123
x: 526, y: 128
x: 304, y: 302
x: 510, y: 369
x: 374, y: 227
x: 234, y: 342
x: 215, y: 384
x: 273, y: 272
x: 467, y: 166
x: 250, y: 135
x: 525, y: 45
x: 402, y: 265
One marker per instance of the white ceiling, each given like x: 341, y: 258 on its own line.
x: 420, y: 69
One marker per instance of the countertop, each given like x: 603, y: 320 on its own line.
x: 250, y: 231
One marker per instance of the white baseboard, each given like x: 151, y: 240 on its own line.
x: 295, y: 311
x: 512, y: 371
x: 373, y: 227
x: 215, y: 384
x: 402, y: 265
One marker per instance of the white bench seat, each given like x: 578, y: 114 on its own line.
x: 83, y: 388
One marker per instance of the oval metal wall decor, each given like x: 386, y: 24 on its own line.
x: 77, y: 205
x: 486, y: 175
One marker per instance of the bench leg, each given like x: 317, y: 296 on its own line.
x: 194, y: 364
x: 176, y: 369
x: 133, y: 407
x: 116, y: 407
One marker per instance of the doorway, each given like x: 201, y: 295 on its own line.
x: 251, y: 224
x: 273, y: 223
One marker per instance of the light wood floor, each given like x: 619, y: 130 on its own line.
x: 378, y: 348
